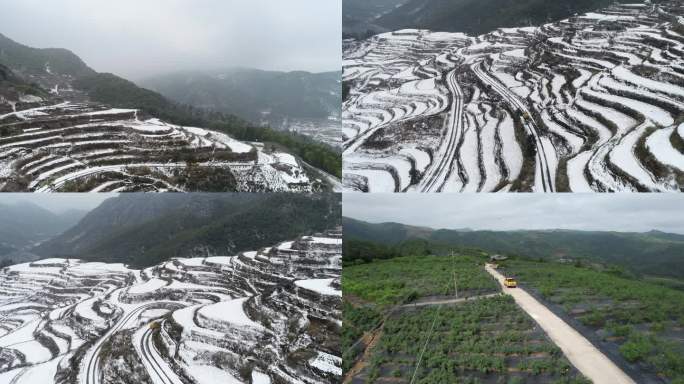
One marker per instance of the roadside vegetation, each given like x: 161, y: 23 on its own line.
x: 120, y: 365
x: 642, y: 320
x: 357, y: 322
x: 405, y: 279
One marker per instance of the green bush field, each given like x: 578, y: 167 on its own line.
x: 480, y: 340
x: 643, y: 320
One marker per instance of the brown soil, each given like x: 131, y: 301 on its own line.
x: 370, y: 340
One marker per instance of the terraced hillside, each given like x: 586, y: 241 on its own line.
x: 82, y: 147
x: 591, y: 103
x: 272, y: 315
x: 66, y: 128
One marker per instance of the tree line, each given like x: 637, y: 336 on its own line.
x: 121, y: 93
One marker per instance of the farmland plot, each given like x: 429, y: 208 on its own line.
x: 417, y: 278
x: 403, y: 323
x: 637, y: 323
x: 483, y: 341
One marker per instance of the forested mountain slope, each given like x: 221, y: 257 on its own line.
x: 142, y: 230
x: 652, y: 252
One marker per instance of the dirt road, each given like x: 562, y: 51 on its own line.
x: 581, y: 353
x: 449, y: 301
x: 437, y: 174
x: 543, y: 171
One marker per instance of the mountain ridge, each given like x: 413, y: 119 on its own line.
x: 642, y: 252
x: 34, y: 60
x: 144, y: 230
x: 467, y: 16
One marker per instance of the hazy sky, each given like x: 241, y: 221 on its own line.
x: 58, y: 202
x: 138, y: 38
x: 614, y: 212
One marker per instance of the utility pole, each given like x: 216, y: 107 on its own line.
x: 453, y: 270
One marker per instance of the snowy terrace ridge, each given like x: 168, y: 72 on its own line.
x: 268, y: 316
x: 86, y: 147
x: 592, y: 103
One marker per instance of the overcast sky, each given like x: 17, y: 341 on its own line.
x: 138, y: 38
x: 611, y: 212
x: 58, y: 202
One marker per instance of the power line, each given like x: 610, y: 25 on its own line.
x: 420, y: 358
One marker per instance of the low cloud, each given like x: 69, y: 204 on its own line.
x: 136, y: 39
x: 606, y: 212
x: 57, y: 202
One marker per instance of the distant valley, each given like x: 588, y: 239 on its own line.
x: 25, y: 225
x: 283, y: 100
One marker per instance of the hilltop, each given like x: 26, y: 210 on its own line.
x: 296, y: 101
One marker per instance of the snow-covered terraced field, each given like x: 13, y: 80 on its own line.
x: 268, y: 316
x: 592, y: 103
x: 85, y: 147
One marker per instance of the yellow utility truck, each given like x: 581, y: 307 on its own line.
x: 510, y: 282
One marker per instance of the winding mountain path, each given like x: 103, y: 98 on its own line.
x: 156, y: 367
x: 543, y: 170
x: 90, y: 370
x: 438, y: 173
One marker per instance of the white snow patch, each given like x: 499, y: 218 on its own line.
x: 148, y: 286
x: 231, y: 312
x: 260, y: 378
x: 327, y: 363
x: 208, y: 374
x: 321, y: 286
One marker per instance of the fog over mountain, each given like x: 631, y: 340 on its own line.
x: 58, y: 203
x: 136, y: 39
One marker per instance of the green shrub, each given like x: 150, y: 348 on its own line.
x: 636, y: 348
